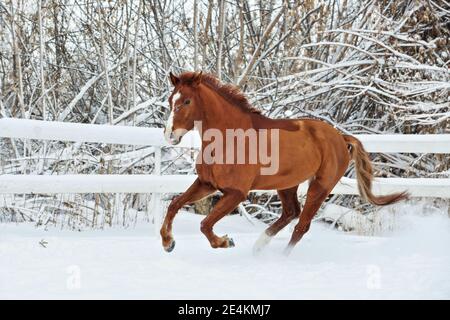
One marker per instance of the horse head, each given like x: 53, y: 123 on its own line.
x: 184, y: 106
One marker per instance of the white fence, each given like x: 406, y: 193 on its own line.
x: 157, y: 183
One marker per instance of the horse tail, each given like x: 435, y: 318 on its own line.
x: 364, y: 175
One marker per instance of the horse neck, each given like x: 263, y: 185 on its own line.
x: 218, y: 113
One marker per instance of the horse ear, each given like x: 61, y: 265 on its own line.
x: 174, y: 79
x: 197, y: 79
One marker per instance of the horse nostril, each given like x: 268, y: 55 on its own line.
x: 174, y: 139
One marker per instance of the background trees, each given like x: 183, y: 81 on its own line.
x: 365, y: 66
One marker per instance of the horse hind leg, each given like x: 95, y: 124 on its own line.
x: 291, y: 210
x: 318, y: 191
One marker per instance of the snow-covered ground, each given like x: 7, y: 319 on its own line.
x: 412, y: 261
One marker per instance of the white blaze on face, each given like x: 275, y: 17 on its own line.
x: 169, y: 124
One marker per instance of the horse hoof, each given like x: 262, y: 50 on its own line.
x: 287, y: 251
x: 230, y: 243
x: 170, y: 247
x: 256, y: 251
x: 261, y: 243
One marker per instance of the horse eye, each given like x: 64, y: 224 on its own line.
x: 187, y: 101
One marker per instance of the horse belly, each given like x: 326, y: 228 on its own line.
x: 299, y: 161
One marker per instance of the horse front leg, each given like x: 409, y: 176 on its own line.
x: 197, y: 191
x: 230, y: 200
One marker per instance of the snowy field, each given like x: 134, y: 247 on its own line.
x: 412, y: 261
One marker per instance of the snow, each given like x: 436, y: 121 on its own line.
x: 410, y: 262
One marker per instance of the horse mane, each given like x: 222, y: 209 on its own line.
x: 229, y: 92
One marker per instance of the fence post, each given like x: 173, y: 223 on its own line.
x: 156, y: 196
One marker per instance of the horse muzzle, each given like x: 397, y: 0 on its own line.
x: 172, y: 137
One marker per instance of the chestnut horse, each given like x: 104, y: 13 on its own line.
x: 308, y: 150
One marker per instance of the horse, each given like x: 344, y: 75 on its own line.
x: 308, y: 150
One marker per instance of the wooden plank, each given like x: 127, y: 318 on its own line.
x: 93, y: 183
x: 77, y: 132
